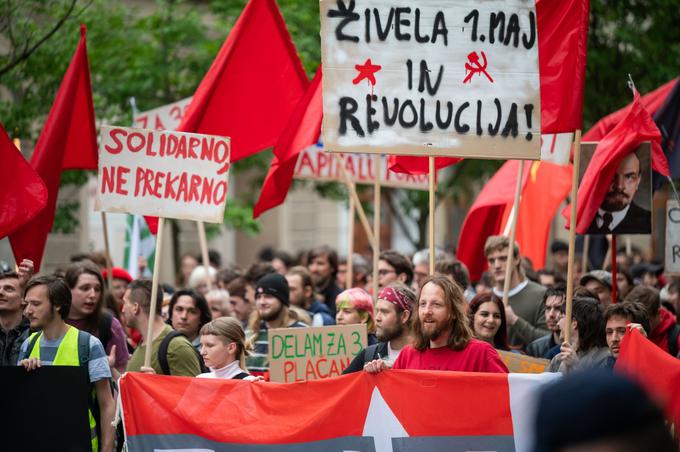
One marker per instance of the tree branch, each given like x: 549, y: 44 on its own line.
x: 28, y: 51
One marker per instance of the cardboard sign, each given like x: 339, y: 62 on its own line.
x: 165, y: 174
x: 314, y: 164
x: 431, y: 77
x: 302, y: 354
x: 629, y: 198
x: 672, y: 237
x: 167, y: 117
x: 523, y: 364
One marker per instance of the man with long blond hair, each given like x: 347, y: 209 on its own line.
x: 442, y: 336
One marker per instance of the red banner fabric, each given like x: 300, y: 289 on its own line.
x: 68, y: 140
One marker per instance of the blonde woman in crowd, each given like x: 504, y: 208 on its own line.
x: 224, y: 350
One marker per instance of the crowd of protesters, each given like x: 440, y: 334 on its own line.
x: 213, y: 322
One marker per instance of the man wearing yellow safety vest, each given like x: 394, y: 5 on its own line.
x: 48, y: 300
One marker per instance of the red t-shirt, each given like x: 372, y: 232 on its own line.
x: 477, y: 356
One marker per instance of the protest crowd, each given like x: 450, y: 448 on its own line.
x: 214, y: 324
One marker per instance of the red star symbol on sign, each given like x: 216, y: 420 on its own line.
x: 366, y: 71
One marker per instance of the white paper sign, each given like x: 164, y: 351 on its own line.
x: 672, y: 237
x: 315, y: 164
x: 431, y: 77
x: 167, y: 117
x: 162, y: 173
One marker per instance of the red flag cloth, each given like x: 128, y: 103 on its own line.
x: 302, y: 130
x: 485, y: 217
x: 22, y: 191
x: 562, y: 28
x: 68, y: 140
x: 656, y: 370
x: 253, y: 85
x: 651, y: 101
x: 410, y: 164
x: 636, y: 128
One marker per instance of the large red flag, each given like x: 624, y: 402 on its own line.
x: 22, y: 191
x: 562, y: 28
x: 657, y: 371
x: 302, y: 130
x: 636, y: 128
x: 544, y: 188
x: 253, y: 85
x: 68, y: 141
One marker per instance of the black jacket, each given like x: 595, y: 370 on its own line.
x: 367, y: 355
x: 638, y: 220
x: 10, y: 343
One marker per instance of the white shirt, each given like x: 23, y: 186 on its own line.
x: 617, y: 217
x: 228, y: 372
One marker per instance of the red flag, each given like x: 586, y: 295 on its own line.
x: 636, y: 128
x: 651, y: 101
x: 253, y: 85
x: 562, y: 28
x: 657, y: 371
x: 22, y: 191
x: 68, y: 140
x: 302, y: 130
x: 418, y: 165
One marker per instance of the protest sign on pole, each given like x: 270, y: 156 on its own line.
x: 166, y: 117
x: 302, y: 354
x: 672, y: 237
x: 432, y: 78
x: 524, y: 364
x: 315, y: 164
x: 163, y: 174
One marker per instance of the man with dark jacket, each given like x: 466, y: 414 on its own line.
x: 14, y: 327
x: 665, y: 331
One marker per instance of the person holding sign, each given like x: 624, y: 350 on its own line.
x: 356, y: 306
x: 393, y: 318
x: 271, y: 311
x: 442, y: 335
x: 224, y: 350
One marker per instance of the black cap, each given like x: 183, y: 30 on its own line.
x: 591, y: 406
x: 558, y: 245
x: 275, y: 285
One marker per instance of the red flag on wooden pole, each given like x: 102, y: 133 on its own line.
x: 68, y: 141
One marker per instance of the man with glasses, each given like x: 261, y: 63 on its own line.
x: 618, y: 213
x: 394, y: 267
x: 554, y: 310
x: 524, y: 313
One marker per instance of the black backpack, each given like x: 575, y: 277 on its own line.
x: 104, y: 328
x: 673, y: 335
x: 163, y: 353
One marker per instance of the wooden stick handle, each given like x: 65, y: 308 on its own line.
x: 154, y: 292
x: 431, y: 187
x: 376, y: 223
x: 349, y: 275
x: 513, y: 231
x: 203, y: 241
x: 572, y: 235
x: 107, y: 251
x: 357, y: 202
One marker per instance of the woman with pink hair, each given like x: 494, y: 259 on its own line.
x: 356, y: 306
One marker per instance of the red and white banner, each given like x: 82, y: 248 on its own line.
x: 166, y: 117
x: 315, y: 164
x: 394, y: 411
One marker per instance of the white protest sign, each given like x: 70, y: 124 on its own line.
x: 167, y: 117
x: 431, y: 77
x: 672, y: 237
x: 314, y: 164
x: 162, y: 173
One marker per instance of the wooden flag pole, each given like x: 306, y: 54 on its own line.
x: 572, y: 235
x: 511, y: 238
x: 349, y: 275
x: 613, y: 247
x: 154, y: 292
x: 107, y: 250
x: 431, y: 184
x: 203, y: 241
x: 584, y: 256
x: 376, y: 223
x: 357, y: 202
x: 608, y: 254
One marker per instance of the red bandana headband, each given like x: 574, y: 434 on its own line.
x: 395, y: 297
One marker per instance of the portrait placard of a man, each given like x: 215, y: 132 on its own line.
x: 625, y: 208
